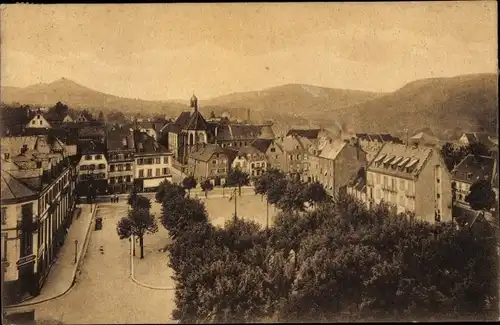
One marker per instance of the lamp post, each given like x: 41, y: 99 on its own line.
x: 76, y: 249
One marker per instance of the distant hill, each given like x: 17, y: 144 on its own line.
x: 442, y: 105
x: 80, y: 97
x: 290, y: 99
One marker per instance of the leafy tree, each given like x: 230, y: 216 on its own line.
x: 207, y: 186
x: 481, y: 196
x: 316, y: 193
x: 478, y: 149
x: 263, y: 182
x: 142, y: 202
x: 101, y: 116
x: 276, y: 190
x: 60, y: 109
x: 168, y: 191
x: 189, y: 183
x: 212, y: 115
x: 294, y: 196
x: 138, y: 223
x: 178, y: 216
x: 453, y: 155
x: 239, y: 178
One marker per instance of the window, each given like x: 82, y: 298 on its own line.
x: 214, y: 162
x: 393, y: 187
x: 139, y: 161
x: 385, y: 181
x: 83, y: 167
x: 273, y: 149
x: 402, y: 184
x: 111, y: 180
x: 4, y: 246
x: 120, y: 167
x: 112, y: 168
x: 33, y: 122
x: 157, y: 160
x: 150, y: 172
x: 102, y: 166
x: 438, y: 195
x: 165, y: 160
x: 157, y: 171
x: 41, y: 122
x: 4, y: 216
x: 165, y: 171
x: 377, y: 177
x: 252, y: 165
x: 88, y: 157
x: 98, y: 157
x: 120, y: 179
x: 141, y: 173
x: 128, y: 179
x: 128, y: 166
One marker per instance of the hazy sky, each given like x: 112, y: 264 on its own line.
x: 167, y: 51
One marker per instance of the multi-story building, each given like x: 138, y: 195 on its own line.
x: 275, y: 155
x: 211, y: 162
x: 96, y: 134
x: 250, y: 160
x: 120, y: 156
x: 470, y: 170
x: 337, y: 161
x: 411, y: 179
x: 92, y: 169
x: 237, y: 135
x: 296, y: 162
x: 37, y: 200
x: 153, y: 163
x: 372, y: 143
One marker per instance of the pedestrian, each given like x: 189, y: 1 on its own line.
x: 117, y: 198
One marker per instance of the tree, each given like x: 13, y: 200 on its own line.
x: 276, y: 191
x: 212, y: 115
x: 315, y: 193
x: 239, y: 178
x: 101, y: 116
x: 189, y: 183
x: 132, y: 197
x: 60, y: 109
x: 294, y: 197
x: 481, y: 196
x: 207, y: 186
x: 138, y: 223
x: 168, y: 191
x: 178, y: 216
x: 263, y: 182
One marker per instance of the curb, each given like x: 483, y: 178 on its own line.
x: 81, y: 254
x: 137, y: 281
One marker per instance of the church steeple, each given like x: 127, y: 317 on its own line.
x: 194, y: 103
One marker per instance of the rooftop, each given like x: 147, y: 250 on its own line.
x: 400, y: 160
x: 474, y: 168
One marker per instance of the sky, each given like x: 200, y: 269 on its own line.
x: 169, y: 51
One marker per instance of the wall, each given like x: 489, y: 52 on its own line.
x: 160, y: 166
x: 426, y: 195
x: 349, y: 160
x: 38, y: 121
x: 276, y: 158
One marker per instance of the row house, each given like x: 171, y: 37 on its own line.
x: 120, y: 148
x: 337, y: 161
x: 92, y: 169
x: 211, y: 162
x: 411, y: 179
x: 296, y: 162
x: 37, y: 202
x: 153, y: 163
x: 372, y: 143
x: 275, y: 155
x: 250, y: 160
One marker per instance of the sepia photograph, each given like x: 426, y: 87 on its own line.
x: 249, y: 162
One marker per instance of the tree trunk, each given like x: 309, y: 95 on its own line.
x: 206, y: 194
x: 189, y: 192
x: 141, y: 242
x: 239, y: 189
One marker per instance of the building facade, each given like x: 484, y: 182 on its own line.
x: 120, y: 157
x: 92, y: 169
x: 411, y: 179
x: 37, y: 201
x: 251, y: 161
x: 153, y: 163
x: 211, y: 162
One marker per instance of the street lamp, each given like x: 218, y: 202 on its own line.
x: 76, y: 249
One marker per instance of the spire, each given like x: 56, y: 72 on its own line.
x: 194, y: 102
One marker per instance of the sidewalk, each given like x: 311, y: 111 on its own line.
x: 63, y: 272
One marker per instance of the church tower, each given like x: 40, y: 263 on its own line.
x: 195, y: 131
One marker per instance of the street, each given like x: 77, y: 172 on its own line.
x: 104, y: 293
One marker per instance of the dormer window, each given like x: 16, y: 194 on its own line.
x: 469, y: 176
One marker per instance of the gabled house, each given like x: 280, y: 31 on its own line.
x: 275, y: 154
x: 211, y: 162
x: 411, y: 179
x: 337, y: 161
x: 38, y: 121
x: 490, y: 141
x: 153, y: 163
x: 84, y: 117
x: 250, y: 160
x: 92, y: 168
x: 470, y: 170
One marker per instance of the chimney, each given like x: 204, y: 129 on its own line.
x: 216, y: 129
x: 248, y: 115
